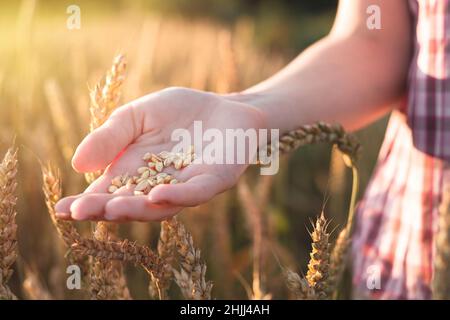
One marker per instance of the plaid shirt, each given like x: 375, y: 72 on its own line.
x: 397, y: 218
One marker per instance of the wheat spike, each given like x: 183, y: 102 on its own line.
x: 8, y: 227
x: 107, y: 278
x: 299, y: 286
x: 105, y: 97
x: 124, y: 250
x: 66, y: 230
x: 338, y: 259
x: 192, y: 276
x: 441, y: 278
x: 322, y: 132
x: 167, y: 253
x: 319, y: 263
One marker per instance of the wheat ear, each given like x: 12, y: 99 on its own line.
x: 124, y: 251
x: 441, y: 278
x: 322, y: 132
x: 192, y: 276
x: 105, y: 98
x: 299, y: 286
x: 107, y: 277
x: 338, y: 259
x: 254, y: 215
x: 167, y: 252
x: 66, y: 230
x: 33, y: 287
x: 350, y: 148
x: 319, y: 263
x: 8, y: 226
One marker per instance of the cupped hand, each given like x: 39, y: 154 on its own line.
x: 146, y: 125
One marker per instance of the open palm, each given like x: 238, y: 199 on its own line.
x: 146, y: 125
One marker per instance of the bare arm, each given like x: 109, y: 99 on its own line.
x: 352, y: 76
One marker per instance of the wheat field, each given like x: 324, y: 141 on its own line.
x: 57, y: 84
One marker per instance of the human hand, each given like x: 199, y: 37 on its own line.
x: 146, y: 125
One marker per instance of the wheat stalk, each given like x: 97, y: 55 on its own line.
x: 192, y: 276
x: 104, y: 99
x: 441, y: 278
x: 319, y: 263
x: 8, y: 226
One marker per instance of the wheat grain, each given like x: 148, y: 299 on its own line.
x: 319, y: 263
x: 8, y: 226
x: 192, y: 276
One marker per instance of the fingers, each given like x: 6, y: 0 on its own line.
x: 193, y: 192
x: 105, y: 143
x: 162, y: 202
x: 120, y: 206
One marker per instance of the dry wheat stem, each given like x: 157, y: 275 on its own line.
x: 192, y: 276
x: 441, y: 278
x: 8, y: 226
x: 255, y: 221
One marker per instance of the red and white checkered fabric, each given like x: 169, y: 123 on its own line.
x: 397, y: 218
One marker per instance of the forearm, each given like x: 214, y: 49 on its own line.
x: 347, y: 78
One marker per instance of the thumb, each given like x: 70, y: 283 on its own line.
x: 104, y: 144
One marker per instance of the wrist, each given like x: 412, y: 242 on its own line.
x: 259, y: 101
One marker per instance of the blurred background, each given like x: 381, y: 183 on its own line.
x: 46, y: 71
